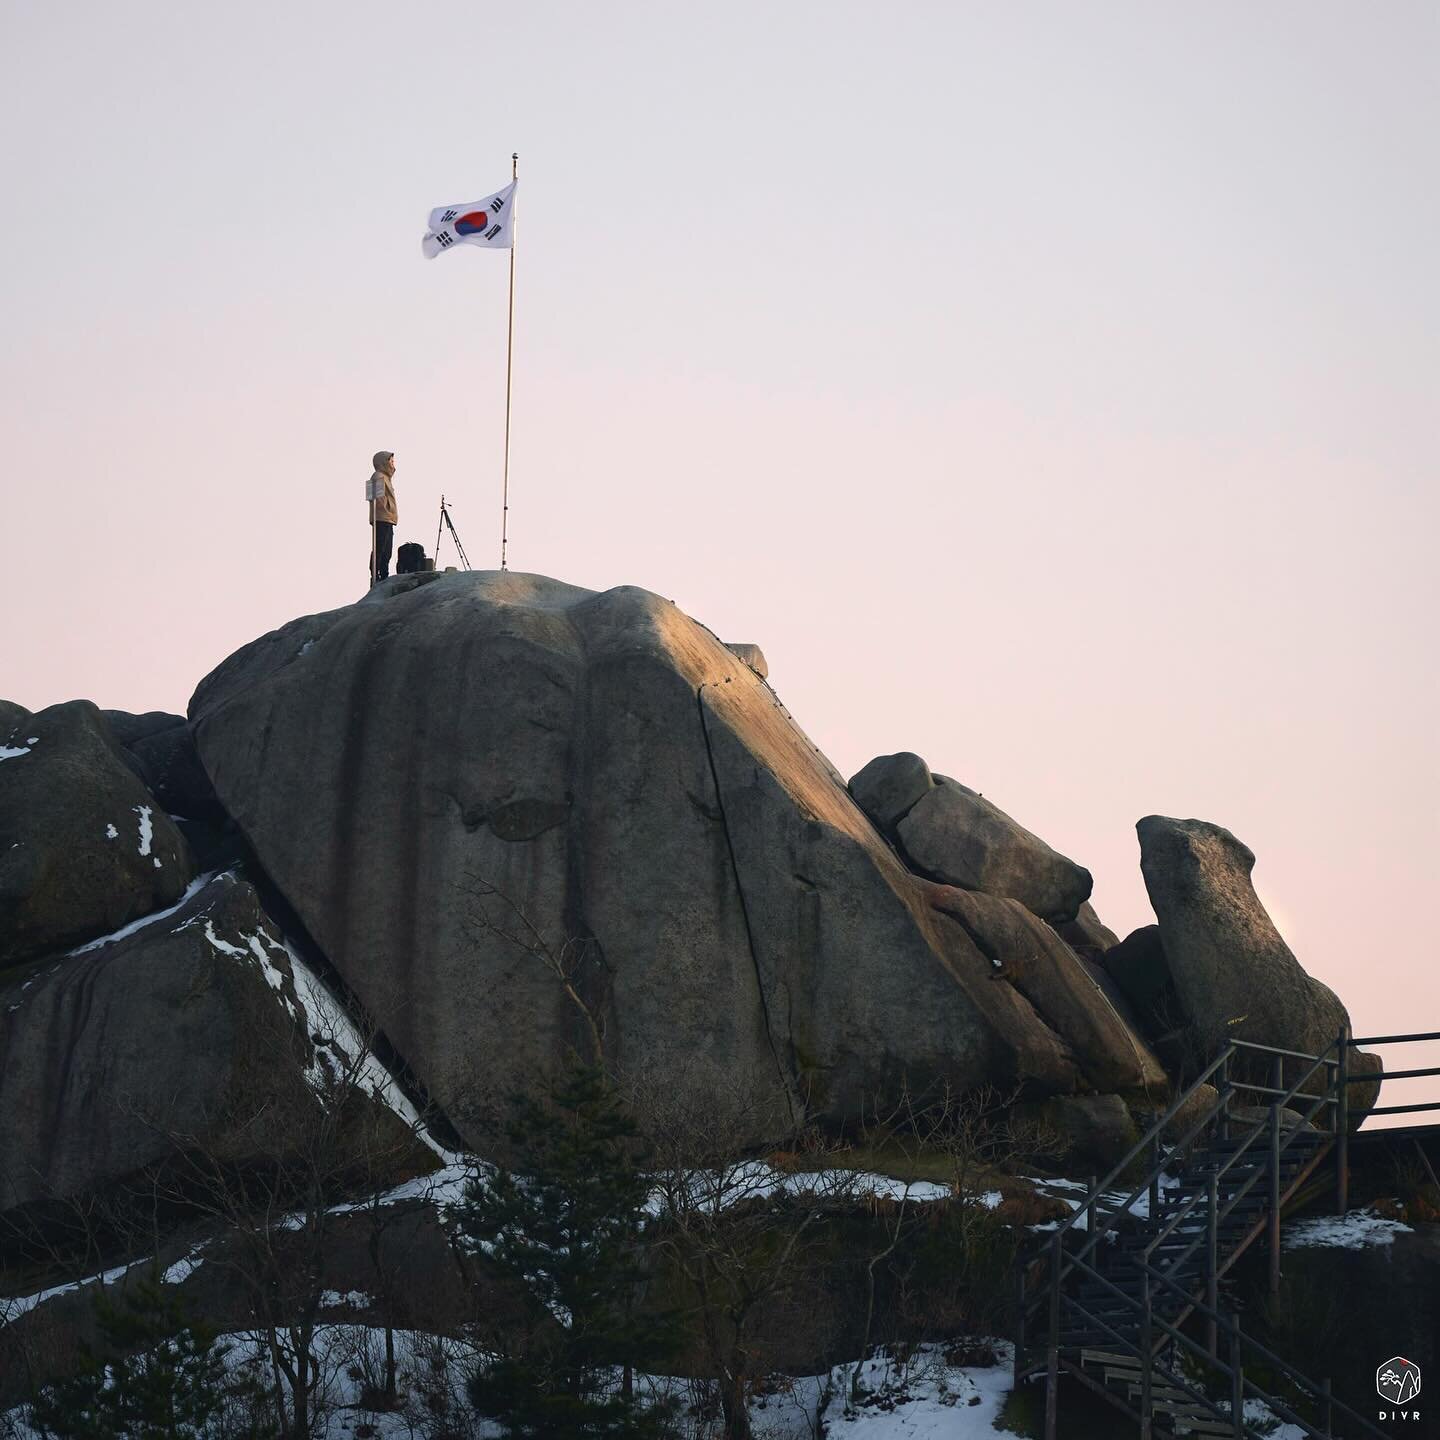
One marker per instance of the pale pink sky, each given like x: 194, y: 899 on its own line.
x: 1049, y: 389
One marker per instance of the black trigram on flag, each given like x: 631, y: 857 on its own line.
x: 484, y: 222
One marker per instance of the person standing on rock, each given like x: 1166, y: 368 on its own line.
x: 384, y: 514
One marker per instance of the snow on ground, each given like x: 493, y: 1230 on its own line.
x: 13, y: 752
x: 345, y: 1299
x: 1354, y: 1231
x: 184, y: 1267
x: 13, y: 1307
x: 1074, y: 1192
x: 923, y: 1398
x: 1260, y: 1415
x: 754, y: 1179
x: 443, y: 1188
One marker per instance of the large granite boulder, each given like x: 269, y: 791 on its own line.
x: 888, y: 787
x: 161, y: 750
x: 1036, y: 961
x: 1095, y: 1131
x: 189, y: 1026
x: 1233, y: 975
x: 958, y: 837
x: 950, y: 834
x: 127, y: 727
x: 12, y: 716
x: 171, y: 767
x: 84, y: 846
x: 1138, y: 967
x: 1087, y: 935
x: 521, y: 818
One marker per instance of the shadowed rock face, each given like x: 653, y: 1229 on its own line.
x: 1031, y: 956
x: 498, y: 802
x: 889, y: 786
x: 84, y: 846
x: 174, y: 1028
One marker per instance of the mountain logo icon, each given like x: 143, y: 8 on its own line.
x: 1398, y: 1380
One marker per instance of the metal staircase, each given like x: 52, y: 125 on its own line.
x: 1124, y: 1297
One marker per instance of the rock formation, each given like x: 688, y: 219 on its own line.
x: 481, y: 792
x: 189, y: 1025
x: 947, y: 831
x: 520, y: 819
x: 84, y: 846
x: 1198, y: 878
x: 1231, y: 973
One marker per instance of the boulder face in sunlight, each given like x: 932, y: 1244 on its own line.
x: 521, y: 818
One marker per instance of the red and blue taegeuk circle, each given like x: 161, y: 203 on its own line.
x: 475, y: 223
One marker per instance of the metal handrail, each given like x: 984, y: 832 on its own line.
x: 1416, y: 1038
x: 1290, y: 1054
x: 1264, y: 1163
x: 1150, y: 1135
x: 1091, y: 1204
x: 1394, y: 1039
x: 1392, y: 1075
x: 1220, y: 1170
x: 1223, y: 1325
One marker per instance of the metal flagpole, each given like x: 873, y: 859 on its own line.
x: 509, y: 354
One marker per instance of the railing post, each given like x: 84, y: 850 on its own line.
x: 1212, y: 1262
x: 1020, y: 1299
x: 1155, y: 1180
x: 1147, y: 1354
x: 1342, y: 1125
x: 1237, y: 1381
x: 1278, y: 1069
x: 1329, y: 1408
x: 1222, y: 1085
x: 1052, y: 1357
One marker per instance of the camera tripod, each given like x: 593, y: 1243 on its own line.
x: 446, y: 523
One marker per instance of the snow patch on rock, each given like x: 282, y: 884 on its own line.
x: 125, y: 931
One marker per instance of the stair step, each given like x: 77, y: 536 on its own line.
x: 1108, y: 1357
x: 1134, y: 1284
x: 1162, y: 1396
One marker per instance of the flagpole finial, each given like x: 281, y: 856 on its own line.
x: 514, y: 163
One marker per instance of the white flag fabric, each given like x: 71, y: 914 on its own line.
x: 488, y: 222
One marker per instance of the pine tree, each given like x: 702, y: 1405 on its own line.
x: 566, y: 1225
x: 166, y: 1380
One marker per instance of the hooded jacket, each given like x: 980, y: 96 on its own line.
x: 381, y: 489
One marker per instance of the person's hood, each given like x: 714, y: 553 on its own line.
x: 385, y: 461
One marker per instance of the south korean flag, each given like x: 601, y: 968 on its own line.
x: 488, y: 222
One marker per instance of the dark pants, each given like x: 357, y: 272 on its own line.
x: 384, y: 542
